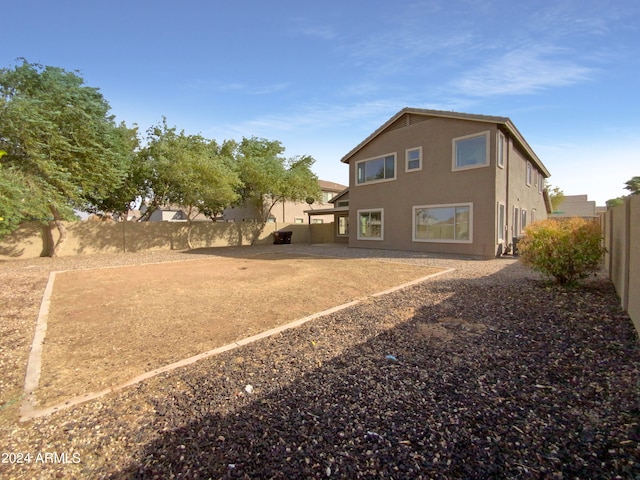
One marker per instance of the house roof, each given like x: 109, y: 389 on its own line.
x: 330, y: 186
x: 325, y: 211
x: 340, y: 195
x: 507, y: 126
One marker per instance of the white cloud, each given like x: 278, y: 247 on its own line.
x: 522, y: 71
x: 322, y: 32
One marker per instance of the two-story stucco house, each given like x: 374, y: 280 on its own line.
x: 443, y: 182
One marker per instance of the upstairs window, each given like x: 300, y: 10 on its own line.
x: 471, y: 151
x: 327, y: 196
x: 540, y: 183
x: 414, y: 159
x: 376, y: 169
x: 500, y: 150
x: 529, y: 173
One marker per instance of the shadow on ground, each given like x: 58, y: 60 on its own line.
x: 490, y: 378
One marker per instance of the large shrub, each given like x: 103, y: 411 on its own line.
x: 567, y: 250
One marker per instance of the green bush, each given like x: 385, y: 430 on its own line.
x: 566, y: 250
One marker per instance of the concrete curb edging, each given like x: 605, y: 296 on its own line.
x: 28, y: 410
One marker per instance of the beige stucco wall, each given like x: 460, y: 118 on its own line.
x: 282, y: 212
x: 576, y: 206
x: 437, y: 184
x: 112, y: 237
x: 621, y: 231
x: 522, y: 195
x: 618, y: 258
x: 633, y: 303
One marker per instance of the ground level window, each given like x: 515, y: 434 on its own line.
x: 501, y: 222
x: 370, y: 224
x: 343, y: 226
x: 443, y: 223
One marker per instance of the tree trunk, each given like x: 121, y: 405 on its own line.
x: 61, y: 229
x: 189, y: 227
x: 47, y: 239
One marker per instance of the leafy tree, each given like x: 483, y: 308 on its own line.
x: 60, y: 141
x: 567, y: 249
x: 556, y: 196
x: 134, y: 182
x: 15, y: 199
x: 188, y: 171
x: 615, y: 202
x: 633, y: 185
x: 268, y: 178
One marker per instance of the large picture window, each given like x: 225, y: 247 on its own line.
x: 471, y: 151
x: 443, y: 223
x: 370, y: 224
x: 376, y: 169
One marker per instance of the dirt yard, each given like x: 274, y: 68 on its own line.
x: 106, y: 326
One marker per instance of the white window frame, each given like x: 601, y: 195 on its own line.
x: 529, y: 175
x: 383, y: 157
x: 406, y: 160
x: 540, y: 183
x: 523, y: 220
x: 442, y: 240
x: 500, y: 150
x: 486, y: 135
x: 501, y: 222
x: 346, y: 225
x: 370, y: 210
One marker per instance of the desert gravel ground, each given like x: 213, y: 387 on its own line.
x: 484, y: 372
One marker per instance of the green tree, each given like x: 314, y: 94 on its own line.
x: 633, y: 185
x: 615, y: 202
x: 268, y: 177
x: 15, y: 199
x: 133, y: 186
x: 189, y: 171
x: 556, y: 196
x: 59, y: 140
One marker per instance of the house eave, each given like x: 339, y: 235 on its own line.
x: 327, y: 211
x: 503, y: 121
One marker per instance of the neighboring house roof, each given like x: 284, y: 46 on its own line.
x: 343, y: 193
x: 330, y: 186
x: 505, y: 122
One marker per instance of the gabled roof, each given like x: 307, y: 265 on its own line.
x: 330, y: 186
x: 507, y: 126
x: 340, y: 195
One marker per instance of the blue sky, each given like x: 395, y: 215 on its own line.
x: 321, y: 76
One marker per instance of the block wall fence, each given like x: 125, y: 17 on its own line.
x: 33, y: 239
x: 621, y: 233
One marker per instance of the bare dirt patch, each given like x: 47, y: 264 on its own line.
x: 107, y: 326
